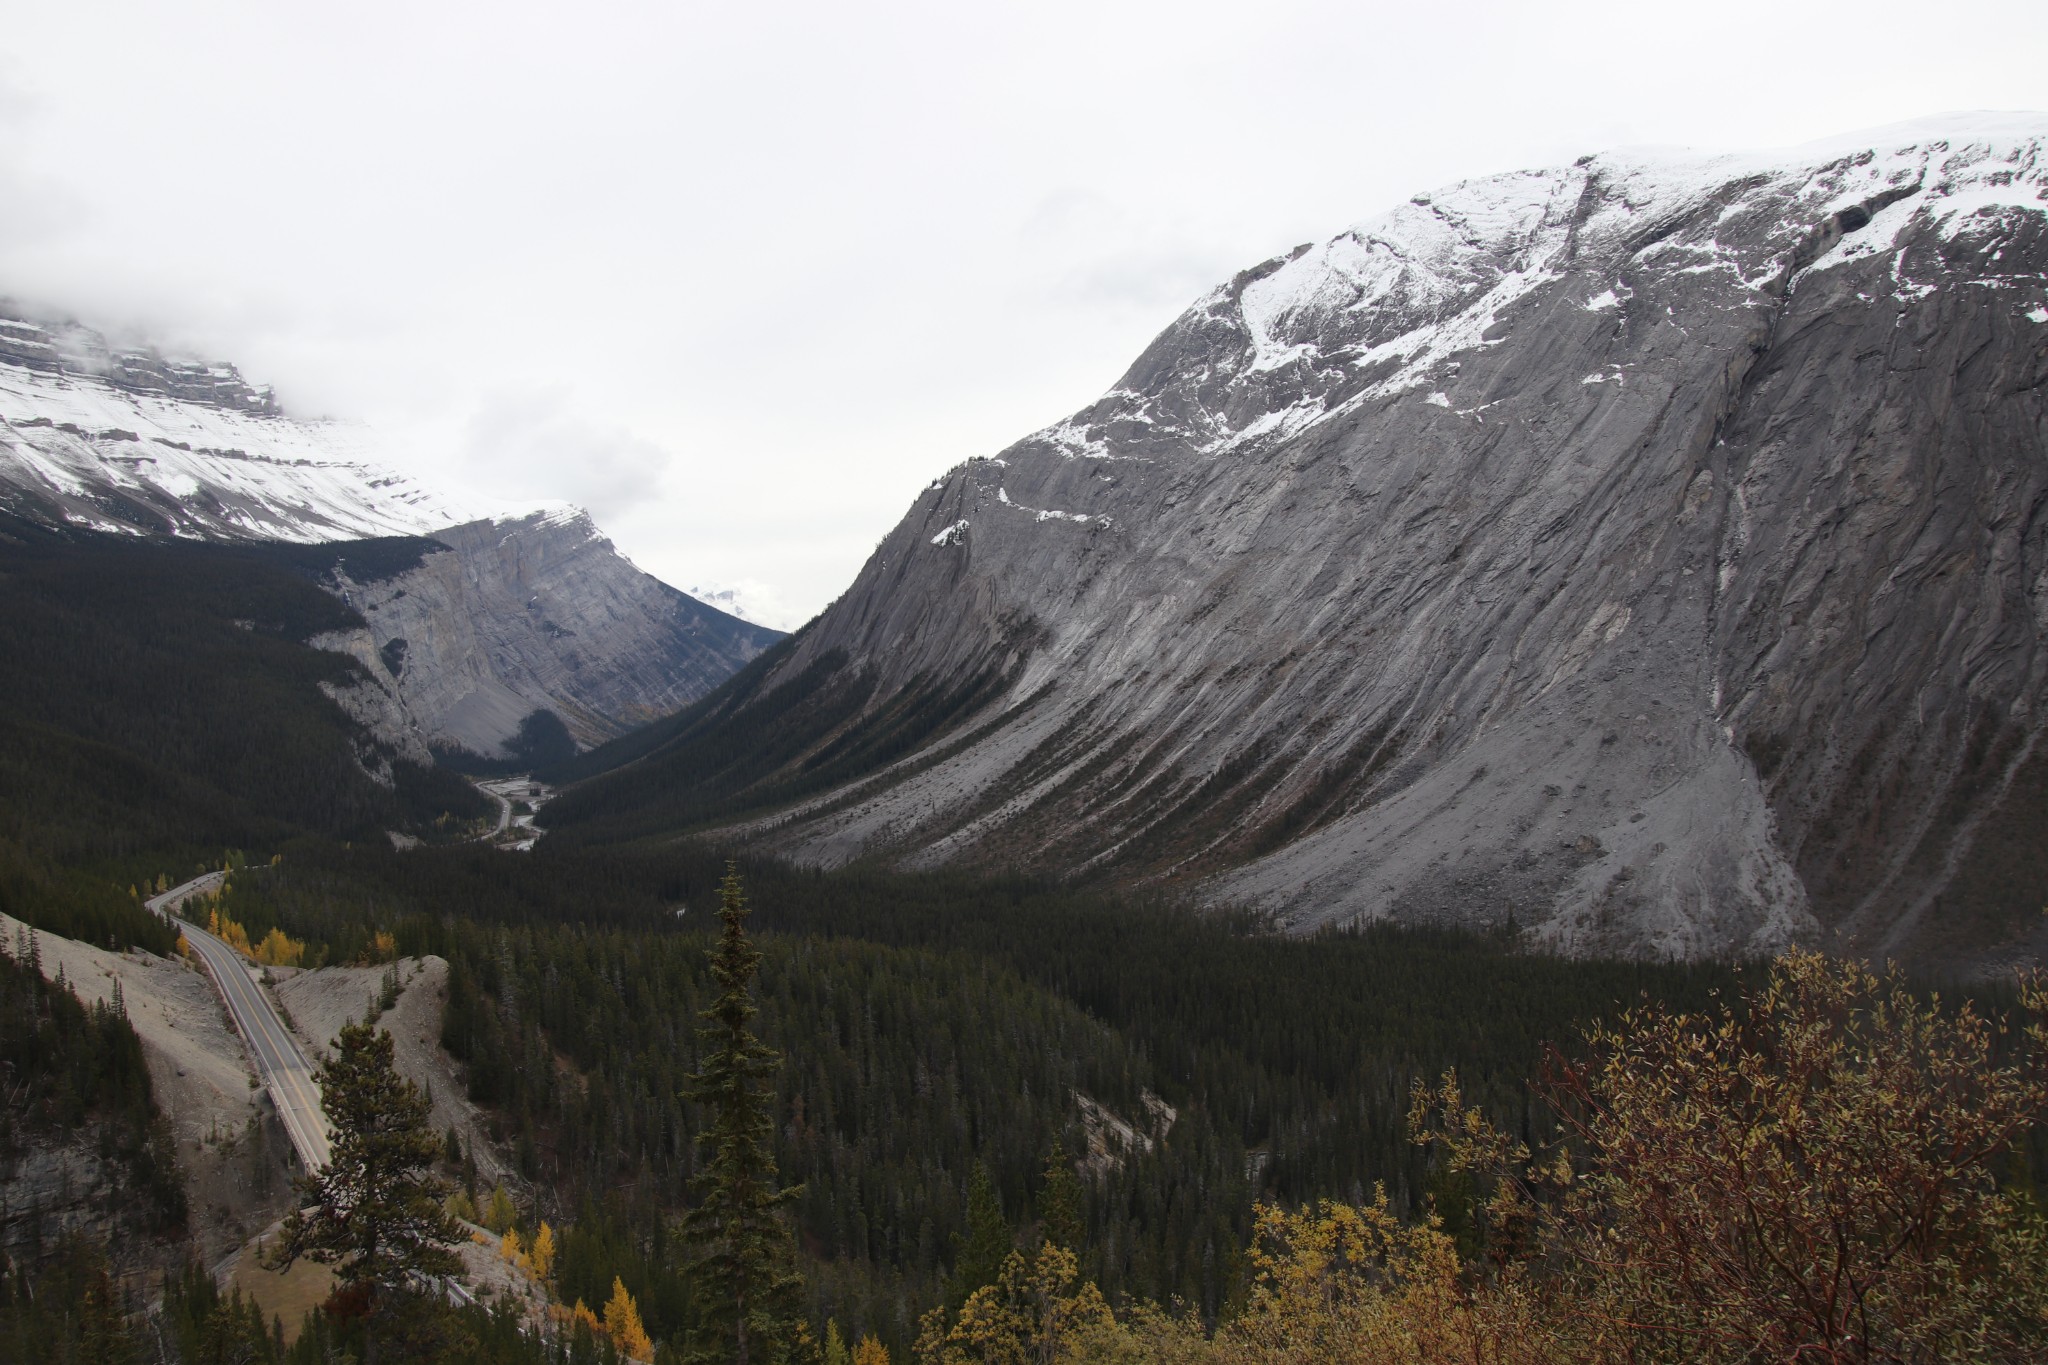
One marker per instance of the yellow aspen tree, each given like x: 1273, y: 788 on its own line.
x: 871, y: 1351
x: 1040, y: 1311
x: 509, y: 1248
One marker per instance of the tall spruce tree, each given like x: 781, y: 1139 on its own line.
x: 1060, y: 1203
x: 743, y: 1256
x: 373, y: 1212
x: 987, y: 1241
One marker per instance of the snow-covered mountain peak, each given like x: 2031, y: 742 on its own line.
x: 525, y: 608
x: 80, y: 449
x: 71, y: 348
x: 1628, y: 547
x: 1385, y: 307
x: 127, y: 440
x: 750, y: 601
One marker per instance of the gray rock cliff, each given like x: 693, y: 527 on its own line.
x: 1648, y: 551
x: 535, y: 613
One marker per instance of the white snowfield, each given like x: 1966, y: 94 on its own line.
x: 107, y: 457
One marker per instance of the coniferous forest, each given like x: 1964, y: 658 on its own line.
x: 1016, y: 1118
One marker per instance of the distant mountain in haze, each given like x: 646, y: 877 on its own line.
x: 489, y: 620
x: 1649, y: 553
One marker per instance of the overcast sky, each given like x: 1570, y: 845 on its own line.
x: 742, y: 278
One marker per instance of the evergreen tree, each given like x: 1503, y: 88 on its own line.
x: 374, y: 1210
x: 744, y: 1257
x: 207, y: 1326
x: 69, y: 1311
x: 987, y: 1241
x: 500, y: 1215
x: 1059, y: 1203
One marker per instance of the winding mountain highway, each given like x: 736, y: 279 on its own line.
x: 504, y: 791
x: 280, y: 1063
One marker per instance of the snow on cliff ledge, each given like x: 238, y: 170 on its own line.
x: 127, y: 441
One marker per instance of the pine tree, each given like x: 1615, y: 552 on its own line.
x: 374, y: 1210
x: 987, y: 1240
x: 1059, y: 1203
x: 744, y: 1256
x: 103, y: 1334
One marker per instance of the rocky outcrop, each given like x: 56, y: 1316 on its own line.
x: 1647, y: 551
x: 69, y: 348
x: 535, y: 613
x: 49, y: 1190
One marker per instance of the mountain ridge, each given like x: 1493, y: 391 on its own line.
x: 535, y: 611
x: 1459, y: 568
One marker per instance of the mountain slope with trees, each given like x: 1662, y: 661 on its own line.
x: 158, y: 704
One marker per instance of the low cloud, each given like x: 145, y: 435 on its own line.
x: 1089, y: 249
x: 532, y: 445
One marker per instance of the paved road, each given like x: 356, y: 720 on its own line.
x: 508, y: 791
x: 504, y: 811
x: 280, y: 1063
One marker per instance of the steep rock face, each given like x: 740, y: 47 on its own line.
x: 524, y: 613
x: 1646, y: 550
x: 536, y: 613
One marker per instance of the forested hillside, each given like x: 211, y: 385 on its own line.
x: 158, y: 704
x: 74, y: 1077
x: 966, y: 1063
x: 931, y: 1024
